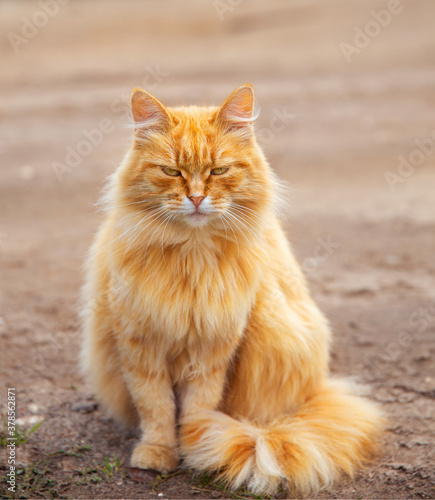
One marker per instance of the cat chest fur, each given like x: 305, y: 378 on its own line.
x: 182, y: 299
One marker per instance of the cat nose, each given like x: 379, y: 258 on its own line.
x: 196, y: 200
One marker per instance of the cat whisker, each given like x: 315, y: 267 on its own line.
x: 251, y: 211
x: 103, y: 205
x: 244, y: 207
x: 123, y: 220
x: 236, y: 220
x: 171, y: 217
x: 235, y: 237
x: 152, y: 216
x: 254, y: 231
x: 150, y: 239
x: 248, y: 213
x: 119, y: 224
x: 135, y: 203
x: 155, y: 213
x: 241, y: 211
x: 225, y: 226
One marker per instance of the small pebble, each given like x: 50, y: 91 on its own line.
x: 33, y: 408
x: 27, y: 172
x: 29, y: 421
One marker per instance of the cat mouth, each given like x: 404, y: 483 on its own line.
x: 197, y: 215
x: 197, y: 218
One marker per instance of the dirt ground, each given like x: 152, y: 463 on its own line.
x: 347, y: 120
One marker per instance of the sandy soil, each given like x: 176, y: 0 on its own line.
x: 355, y: 140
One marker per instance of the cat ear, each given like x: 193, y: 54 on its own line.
x: 148, y: 113
x: 237, y: 112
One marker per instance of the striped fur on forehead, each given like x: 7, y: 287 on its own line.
x: 194, y: 137
x: 194, y: 152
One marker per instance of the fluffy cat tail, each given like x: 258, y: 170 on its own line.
x: 332, y: 433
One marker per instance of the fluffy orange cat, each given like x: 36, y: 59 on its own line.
x: 198, y: 323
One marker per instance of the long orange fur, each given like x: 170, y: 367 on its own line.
x: 195, y: 307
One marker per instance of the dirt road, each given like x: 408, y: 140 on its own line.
x: 346, y: 91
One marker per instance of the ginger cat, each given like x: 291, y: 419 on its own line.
x: 198, y: 324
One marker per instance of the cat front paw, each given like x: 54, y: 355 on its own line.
x: 154, y: 456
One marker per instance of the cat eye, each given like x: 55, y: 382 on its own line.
x: 171, y: 171
x: 219, y: 171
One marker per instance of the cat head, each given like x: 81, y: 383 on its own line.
x: 197, y: 167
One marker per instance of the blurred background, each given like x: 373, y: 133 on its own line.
x: 346, y: 92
